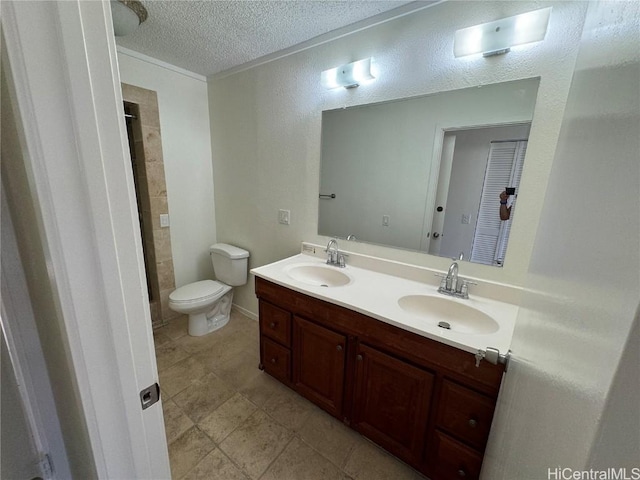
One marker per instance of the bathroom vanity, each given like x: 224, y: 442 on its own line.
x: 423, y: 399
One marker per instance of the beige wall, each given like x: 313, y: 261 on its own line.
x: 266, y: 125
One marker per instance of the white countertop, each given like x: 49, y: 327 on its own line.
x: 376, y: 294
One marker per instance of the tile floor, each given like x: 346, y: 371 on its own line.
x: 225, y: 419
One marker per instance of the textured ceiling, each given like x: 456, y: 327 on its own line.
x: 208, y: 37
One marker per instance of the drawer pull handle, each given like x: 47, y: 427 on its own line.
x: 359, y: 358
x: 462, y: 473
x: 272, y: 324
x: 339, y: 348
x: 473, y: 423
x: 274, y: 360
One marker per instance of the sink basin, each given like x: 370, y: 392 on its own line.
x: 461, y: 318
x: 318, y: 275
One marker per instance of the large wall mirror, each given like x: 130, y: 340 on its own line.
x: 427, y: 173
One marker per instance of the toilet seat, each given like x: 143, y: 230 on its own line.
x: 198, y: 293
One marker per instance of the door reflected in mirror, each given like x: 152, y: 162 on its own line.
x: 427, y: 173
x: 476, y: 167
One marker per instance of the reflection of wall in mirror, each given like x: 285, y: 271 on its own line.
x: 465, y: 186
x: 377, y: 159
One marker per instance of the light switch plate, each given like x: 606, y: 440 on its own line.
x: 284, y: 216
x: 164, y: 219
x: 385, y: 220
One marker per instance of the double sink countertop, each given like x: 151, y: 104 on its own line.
x: 475, y: 323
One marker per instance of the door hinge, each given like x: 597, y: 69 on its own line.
x: 149, y: 396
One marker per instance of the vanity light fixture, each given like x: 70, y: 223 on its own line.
x: 496, y: 38
x: 127, y: 15
x: 347, y: 76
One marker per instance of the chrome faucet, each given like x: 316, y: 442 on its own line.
x: 452, y: 277
x: 334, y: 256
x: 452, y: 285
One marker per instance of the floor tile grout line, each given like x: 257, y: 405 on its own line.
x: 216, y: 446
x: 345, y: 462
x: 236, y: 428
x: 208, y: 370
x: 166, y: 367
x: 277, y: 456
x: 340, y: 468
x: 203, y: 457
x: 246, y: 473
x: 296, y: 433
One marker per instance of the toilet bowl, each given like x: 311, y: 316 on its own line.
x: 208, y: 302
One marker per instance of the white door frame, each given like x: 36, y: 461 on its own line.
x: 66, y: 89
x: 442, y: 192
x: 27, y: 359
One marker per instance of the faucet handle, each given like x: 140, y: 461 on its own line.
x: 464, y: 288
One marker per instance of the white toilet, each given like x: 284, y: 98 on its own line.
x: 208, y: 302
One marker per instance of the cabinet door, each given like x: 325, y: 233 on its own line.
x: 318, y: 364
x: 391, y: 403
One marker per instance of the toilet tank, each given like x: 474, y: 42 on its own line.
x: 230, y: 263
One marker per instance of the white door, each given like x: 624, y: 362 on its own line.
x: 439, y: 173
x: 66, y: 89
x: 440, y: 207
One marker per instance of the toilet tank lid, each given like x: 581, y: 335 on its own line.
x: 228, y: 251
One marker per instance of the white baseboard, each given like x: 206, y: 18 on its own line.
x: 245, y: 312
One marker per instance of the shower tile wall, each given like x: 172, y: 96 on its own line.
x: 154, y: 201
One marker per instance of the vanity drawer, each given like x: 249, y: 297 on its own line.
x: 455, y: 461
x: 465, y: 414
x: 275, y: 323
x: 276, y: 360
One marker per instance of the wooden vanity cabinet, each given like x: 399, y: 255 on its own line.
x: 391, y: 402
x: 275, y: 341
x: 423, y: 401
x: 319, y: 364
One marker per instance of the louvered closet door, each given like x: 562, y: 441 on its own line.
x: 504, y: 169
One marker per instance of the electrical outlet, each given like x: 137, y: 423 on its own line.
x: 385, y: 220
x: 284, y: 216
x: 164, y: 219
x: 465, y: 218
